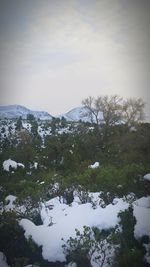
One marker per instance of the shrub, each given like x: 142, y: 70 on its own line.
x: 131, y: 252
x: 91, y: 245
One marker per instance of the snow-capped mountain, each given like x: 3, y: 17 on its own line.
x: 75, y: 114
x: 15, y: 111
x: 78, y: 113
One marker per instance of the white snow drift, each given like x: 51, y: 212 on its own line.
x: 61, y: 220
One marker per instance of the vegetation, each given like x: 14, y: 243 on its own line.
x: 63, y: 152
x: 114, y: 110
x: 91, y: 244
x: 130, y: 252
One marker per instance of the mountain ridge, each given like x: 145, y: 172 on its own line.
x: 15, y: 111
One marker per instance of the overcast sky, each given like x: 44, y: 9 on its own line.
x: 54, y: 53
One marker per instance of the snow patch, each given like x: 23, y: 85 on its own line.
x: 142, y: 214
x: 9, y: 202
x: 143, y: 202
x: 35, y: 165
x: 3, y: 262
x: 95, y: 165
x: 11, y: 163
x: 147, y: 255
x: 61, y: 220
x: 147, y: 176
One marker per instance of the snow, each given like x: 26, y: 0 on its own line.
x: 71, y: 152
x: 11, y: 163
x: 7, y: 128
x: 147, y: 176
x: 142, y: 227
x: 10, y: 200
x: 143, y: 202
x: 26, y: 125
x: 64, y: 130
x: 142, y: 214
x: 3, y: 262
x: 42, y: 131
x: 20, y: 165
x: 11, y: 205
x: 35, y: 165
x: 147, y: 255
x: 42, y: 182
x: 61, y: 220
x: 15, y: 111
x: 71, y: 264
x: 79, y: 113
x: 95, y: 165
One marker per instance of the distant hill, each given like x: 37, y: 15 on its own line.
x: 15, y: 111
x: 76, y: 114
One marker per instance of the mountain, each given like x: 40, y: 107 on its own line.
x: 15, y: 111
x: 76, y: 114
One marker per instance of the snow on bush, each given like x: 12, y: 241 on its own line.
x: 142, y: 215
x: 61, y: 220
x: 35, y: 165
x: 71, y: 264
x: 10, y: 202
x: 11, y: 163
x: 142, y: 227
x: 147, y: 255
x: 3, y: 262
x: 95, y: 165
x: 147, y: 176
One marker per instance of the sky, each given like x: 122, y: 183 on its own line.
x: 55, y: 53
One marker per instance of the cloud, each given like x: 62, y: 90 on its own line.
x: 65, y: 50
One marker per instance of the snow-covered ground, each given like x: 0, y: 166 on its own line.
x: 60, y: 221
x: 8, y: 128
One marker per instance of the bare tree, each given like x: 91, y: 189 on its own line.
x: 91, y: 111
x: 103, y: 109
x: 111, y: 110
x: 133, y: 111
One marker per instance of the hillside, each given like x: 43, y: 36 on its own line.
x: 76, y: 114
x: 15, y: 111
